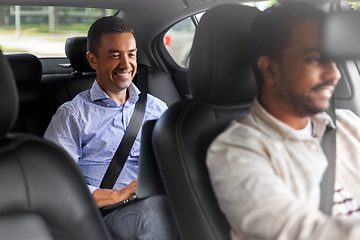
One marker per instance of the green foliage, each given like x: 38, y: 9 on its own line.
x: 62, y: 15
x: 35, y: 19
x: 272, y: 3
x: 12, y: 50
x: 43, y: 28
x: 354, y: 5
x: 78, y: 27
x: 265, y: 4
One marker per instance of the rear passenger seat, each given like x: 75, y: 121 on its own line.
x: 39, y: 99
x: 34, y: 114
x: 61, y: 88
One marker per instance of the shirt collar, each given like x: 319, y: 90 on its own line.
x: 274, y: 127
x: 97, y: 93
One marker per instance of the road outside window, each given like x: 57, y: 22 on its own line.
x: 42, y: 31
x: 178, y: 40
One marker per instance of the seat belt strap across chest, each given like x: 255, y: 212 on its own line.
x: 117, y: 163
x: 328, y: 144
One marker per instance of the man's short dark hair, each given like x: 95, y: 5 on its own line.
x: 102, y: 26
x: 271, y: 31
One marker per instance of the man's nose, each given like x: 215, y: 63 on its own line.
x: 331, y: 72
x: 124, y: 62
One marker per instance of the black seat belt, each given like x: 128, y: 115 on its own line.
x: 122, y: 152
x: 328, y: 144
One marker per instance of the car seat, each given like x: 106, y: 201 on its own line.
x: 34, y: 114
x: 222, y: 85
x: 61, y: 88
x: 43, y: 194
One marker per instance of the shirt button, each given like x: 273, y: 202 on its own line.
x: 313, y: 147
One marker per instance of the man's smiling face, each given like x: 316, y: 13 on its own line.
x: 306, y: 79
x: 115, y: 62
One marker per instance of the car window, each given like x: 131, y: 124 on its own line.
x: 354, y: 5
x: 43, y: 31
x: 178, y: 40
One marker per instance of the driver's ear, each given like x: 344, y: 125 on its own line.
x: 268, y: 68
x: 92, y: 59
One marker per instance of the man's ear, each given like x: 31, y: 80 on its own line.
x: 267, y: 67
x: 92, y: 59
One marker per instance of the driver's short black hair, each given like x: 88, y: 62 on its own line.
x: 271, y: 31
x: 102, y: 26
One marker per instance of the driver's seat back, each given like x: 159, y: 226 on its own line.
x: 222, y: 86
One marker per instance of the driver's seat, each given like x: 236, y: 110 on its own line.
x: 43, y: 194
x: 222, y: 86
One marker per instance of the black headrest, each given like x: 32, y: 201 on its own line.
x: 219, y: 63
x: 9, y: 102
x: 341, y: 34
x: 27, y: 70
x: 26, y: 67
x: 75, y: 49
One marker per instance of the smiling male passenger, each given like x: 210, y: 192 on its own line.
x: 266, y: 169
x: 91, y: 126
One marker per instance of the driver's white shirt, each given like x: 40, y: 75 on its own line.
x: 266, y: 176
x: 344, y: 205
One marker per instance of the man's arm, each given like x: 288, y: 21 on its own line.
x: 64, y: 130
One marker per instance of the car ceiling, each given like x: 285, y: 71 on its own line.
x: 160, y: 14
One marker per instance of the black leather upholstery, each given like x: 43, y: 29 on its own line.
x: 219, y: 61
x: 34, y: 115
x: 75, y: 49
x: 9, y: 103
x: 61, y: 88
x: 26, y: 68
x: 222, y: 85
x: 43, y: 194
x: 162, y: 86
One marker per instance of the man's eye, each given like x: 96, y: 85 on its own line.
x: 316, y: 59
x: 313, y: 60
x: 115, y: 56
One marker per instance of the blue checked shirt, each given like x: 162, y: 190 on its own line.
x: 90, y: 128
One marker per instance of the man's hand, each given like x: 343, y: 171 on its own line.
x: 106, y: 197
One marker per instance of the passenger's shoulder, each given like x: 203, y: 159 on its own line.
x: 154, y: 101
x: 74, y: 104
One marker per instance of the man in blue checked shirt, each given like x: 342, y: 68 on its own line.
x: 91, y: 126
